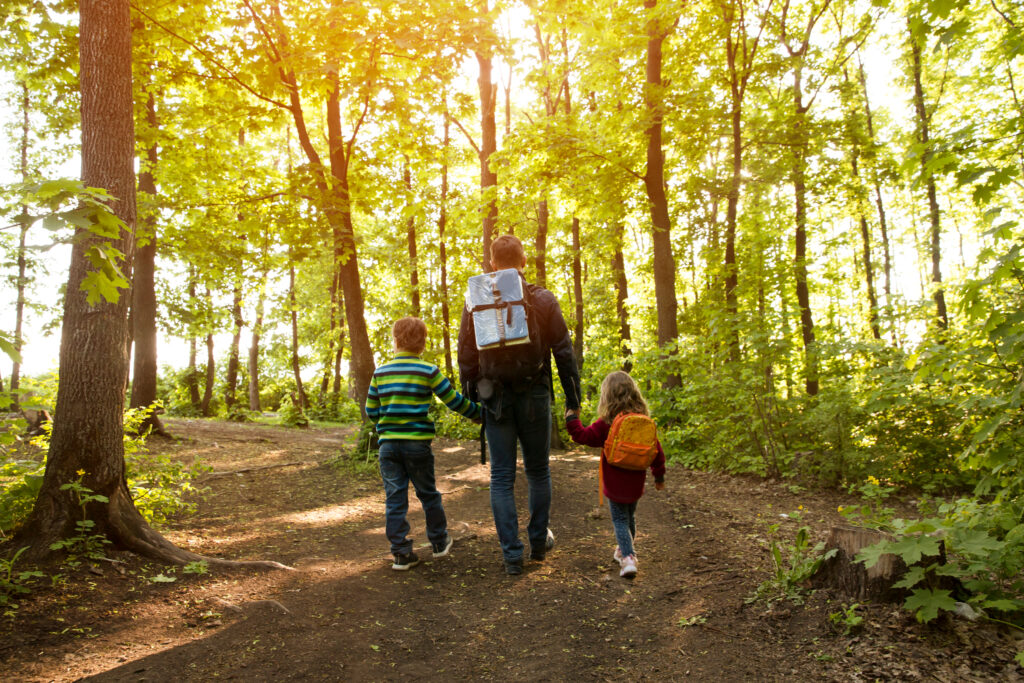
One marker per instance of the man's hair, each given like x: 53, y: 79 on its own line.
x: 410, y: 334
x: 507, y: 252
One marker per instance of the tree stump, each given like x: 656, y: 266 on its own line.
x: 844, y: 574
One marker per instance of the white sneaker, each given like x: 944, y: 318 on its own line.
x: 628, y: 564
x: 617, y: 555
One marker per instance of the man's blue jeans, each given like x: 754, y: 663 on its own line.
x: 401, y: 462
x: 523, y: 418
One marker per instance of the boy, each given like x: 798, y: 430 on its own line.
x: 400, y: 394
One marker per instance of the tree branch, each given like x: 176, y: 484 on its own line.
x: 464, y: 132
x: 209, y: 57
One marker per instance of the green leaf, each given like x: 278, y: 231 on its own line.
x: 913, y: 548
x: 976, y: 542
x: 913, y: 577
x: 161, y: 578
x: 870, y: 555
x: 926, y: 603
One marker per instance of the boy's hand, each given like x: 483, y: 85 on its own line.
x: 659, y: 485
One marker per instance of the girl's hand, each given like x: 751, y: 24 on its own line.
x: 659, y: 485
x: 570, y: 413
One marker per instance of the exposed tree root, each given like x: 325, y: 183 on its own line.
x: 132, y: 532
x: 256, y: 468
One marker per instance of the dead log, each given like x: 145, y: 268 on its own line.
x: 850, y: 578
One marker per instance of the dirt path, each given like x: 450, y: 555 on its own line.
x: 345, y: 615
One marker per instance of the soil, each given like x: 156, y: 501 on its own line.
x: 344, y: 614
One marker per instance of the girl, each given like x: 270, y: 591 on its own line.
x: 622, y: 488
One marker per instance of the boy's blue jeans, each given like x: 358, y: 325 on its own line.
x: 523, y: 418
x: 624, y: 521
x: 402, y: 462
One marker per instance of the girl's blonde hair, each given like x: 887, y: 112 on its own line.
x: 620, y: 394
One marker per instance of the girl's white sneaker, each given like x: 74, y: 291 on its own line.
x: 628, y: 564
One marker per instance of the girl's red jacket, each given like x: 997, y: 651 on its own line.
x: 622, y: 486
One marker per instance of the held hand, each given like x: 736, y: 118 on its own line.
x: 659, y: 485
x: 571, y: 413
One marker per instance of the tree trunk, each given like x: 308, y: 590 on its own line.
x: 882, y: 223
x: 336, y: 386
x: 577, y: 292
x: 654, y: 180
x: 143, y: 317
x: 410, y: 230
x: 22, y: 281
x: 87, y: 442
x: 488, y: 145
x: 254, y: 347
x: 325, y: 381
x: 234, y: 355
x: 850, y: 578
x: 621, y: 294
x: 803, y: 295
x: 340, y: 217
x: 738, y: 74
x: 935, y: 233
x: 300, y: 392
x: 205, y: 407
x: 540, y: 256
x: 192, y: 380
x: 442, y: 224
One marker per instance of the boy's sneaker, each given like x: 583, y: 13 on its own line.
x: 539, y: 553
x: 628, y: 564
x: 441, y: 549
x: 513, y: 568
x: 405, y: 561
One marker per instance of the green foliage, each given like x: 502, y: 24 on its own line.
x: 793, y: 565
x: 85, y: 543
x: 65, y: 202
x: 452, y: 425
x: 14, y: 583
x: 847, y: 619
x: 291, y: 415
x: 200, y: 567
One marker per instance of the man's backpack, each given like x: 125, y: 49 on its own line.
x: 632, y: 442
x: 506, y: 328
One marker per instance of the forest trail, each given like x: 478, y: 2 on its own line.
x: 345, y: 615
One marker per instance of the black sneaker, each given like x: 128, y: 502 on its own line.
x: 540, y: 552
x: 513, y: 568
x: 441, y: 549
x: 406, y: 561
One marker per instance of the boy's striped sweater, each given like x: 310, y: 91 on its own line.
x: 401, y: 392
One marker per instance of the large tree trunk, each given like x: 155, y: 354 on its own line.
x: 410, y: 231
x: 852, y: 579
x: 935, y: 232
x: 143, y: 316
x: 488, y: 145
x: 654, y: 180
x: 87, y: 442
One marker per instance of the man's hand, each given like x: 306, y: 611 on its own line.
x: 571, y: 413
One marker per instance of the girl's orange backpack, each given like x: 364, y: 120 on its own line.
x: 632, y: 443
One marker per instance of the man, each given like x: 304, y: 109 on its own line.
x: 518, y: 409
